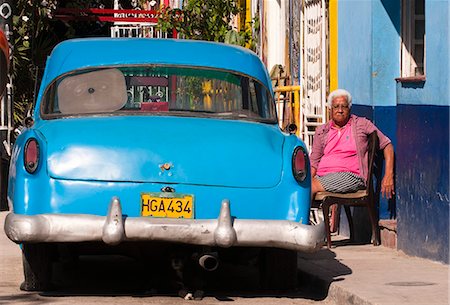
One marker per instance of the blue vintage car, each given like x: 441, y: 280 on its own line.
x: 148, y: 140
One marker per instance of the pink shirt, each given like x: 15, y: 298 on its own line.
x: 361, y: 128
x: 340, y: 153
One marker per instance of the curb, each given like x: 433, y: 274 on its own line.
x: 312, y: 277
x: 342, y: 296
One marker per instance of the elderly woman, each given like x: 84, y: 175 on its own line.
x: 339, y: 153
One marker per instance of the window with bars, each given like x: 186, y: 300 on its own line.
x: 413, y: 38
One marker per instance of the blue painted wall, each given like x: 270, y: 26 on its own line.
x: 414, y: 116
x: 368, y: 36
x: 355, y: 50
x: 423, y: 146
x: 422, y: 181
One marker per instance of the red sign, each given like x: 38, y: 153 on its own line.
x: 107, y: 15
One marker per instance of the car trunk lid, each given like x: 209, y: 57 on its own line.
x: 160, y: 149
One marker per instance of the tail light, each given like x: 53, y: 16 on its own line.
x: 31, y: 155
x: 300, y: 164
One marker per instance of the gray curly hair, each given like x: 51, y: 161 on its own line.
x: 338, y: 93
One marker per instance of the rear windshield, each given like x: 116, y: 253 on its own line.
x: 159, y: 90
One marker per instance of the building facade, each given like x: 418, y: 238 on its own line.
x: 393, y: 57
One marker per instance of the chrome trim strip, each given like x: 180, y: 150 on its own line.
x: 114, y: 228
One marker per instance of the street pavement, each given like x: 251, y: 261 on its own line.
x: 369, y: 275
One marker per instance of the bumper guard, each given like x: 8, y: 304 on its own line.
x: 114, y: 228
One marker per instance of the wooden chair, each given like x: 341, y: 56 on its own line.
x: 363, y: 198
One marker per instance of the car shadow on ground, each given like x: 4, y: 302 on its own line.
x: 123, y: 276
x: 318, y: 270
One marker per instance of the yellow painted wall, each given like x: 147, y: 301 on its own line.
x: 333, y: 11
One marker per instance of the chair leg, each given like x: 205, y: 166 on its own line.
x: 335, y: 217
x: 374, y: 223
x: 326, y: 218
x: 348, y: 213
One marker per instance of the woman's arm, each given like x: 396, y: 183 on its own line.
x: 387, y: 184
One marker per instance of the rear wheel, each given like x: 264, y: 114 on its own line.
x: 278, y: 269
x: 37, y: 266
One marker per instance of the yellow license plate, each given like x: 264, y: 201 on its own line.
x: 167, y: 206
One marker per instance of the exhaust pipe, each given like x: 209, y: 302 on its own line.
x: 209, y: 262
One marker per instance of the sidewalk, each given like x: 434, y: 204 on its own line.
x: 364, y: 274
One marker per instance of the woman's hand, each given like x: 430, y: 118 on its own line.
x: 387, y: 186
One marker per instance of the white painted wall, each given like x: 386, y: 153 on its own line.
x: 275, y: 30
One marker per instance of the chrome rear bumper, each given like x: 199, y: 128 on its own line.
x: 114, y: 228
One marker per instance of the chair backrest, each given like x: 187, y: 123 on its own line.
x: 372, y: 152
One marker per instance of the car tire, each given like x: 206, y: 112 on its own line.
x: 37, y: 262
x: 278, y: 269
